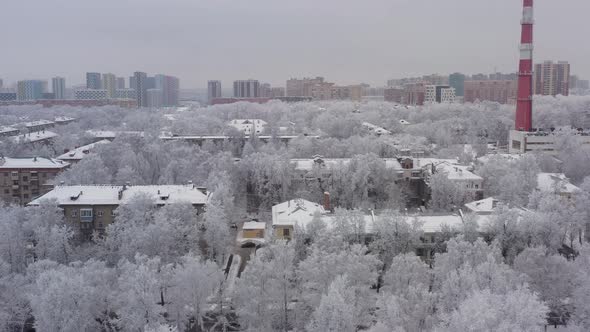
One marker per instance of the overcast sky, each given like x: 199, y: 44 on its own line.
x: 346, y: 41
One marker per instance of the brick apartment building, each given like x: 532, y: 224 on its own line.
x: 24, y: 179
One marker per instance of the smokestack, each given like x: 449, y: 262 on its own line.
x: 524, y: 102
x: 327, y: 206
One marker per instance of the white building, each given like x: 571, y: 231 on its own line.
x: 539, y: 141
x: 249, y: 126
x: 439, y: 94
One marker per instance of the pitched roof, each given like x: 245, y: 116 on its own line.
x: 79, y: 153
x: 34, y: 136
x: 555, y: 182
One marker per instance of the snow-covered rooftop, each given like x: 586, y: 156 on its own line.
x: 295, y: 211
x: 301, y: 212
x: 38, y: 123
x: 110, y: 194
x: 484, y: 206
x: 35, y: 136
x: 64, y: 119
x: 4, y: 130
x: 555, y: 182
x: 307, y: 164
x: 31, y: 162
x: 79, y: 153
x: 458, y: 173
x: 254, y: 225
x: 376, y: 129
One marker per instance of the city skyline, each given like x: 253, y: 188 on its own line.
x: 361, y: 44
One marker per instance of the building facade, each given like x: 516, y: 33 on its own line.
x: 170, y: 86
x: 120, y: 83
x: 58, y: 87
x: 213, y: 90
x: 551, y: 79
x: 125, y: 94
x: 24, y: 179
x: 154, y: 98
x: 457, y: 81
x: 109, y: 83
x: 29, y: 90
x: 91, y: 94
x: 140, y: 81
x: 503, y: 92
x: 439, y: 94
x: 93, y: 81
x: 247, y: 89
x: 91, y: 208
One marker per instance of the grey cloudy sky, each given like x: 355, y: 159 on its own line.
x: 347, y: 41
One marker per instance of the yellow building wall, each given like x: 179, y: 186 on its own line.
x: 253, y: 234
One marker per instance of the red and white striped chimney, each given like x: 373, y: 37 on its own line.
x: 524, y: 102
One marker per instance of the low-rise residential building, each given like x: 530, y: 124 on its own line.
x: 463, y: 177
x: 23, y: 179
x: 249, y: 126
x: 38, y: 137
x: 556, y: 183
x: 290, y: 216
x: 78, y: 153
x: 8, y: 131
x: 38, y: 125
x: 90, y: 208
x: 254, y: 230
x: 483, y: 207
x: 376, y: 129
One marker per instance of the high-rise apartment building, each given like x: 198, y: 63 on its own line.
x: 1, y: 83
x: 93, y: 81
x: 154, y: 98
x: 301, y: 87
x: 247, y: 89
x: 277, y: 92
x: 140, y: 85
x: 58, y: 87
x: 109, y: 83
x: 120, y: 83
x: 213, y: 90
x: 551, y: 79
x: 169, y: 85
x: 29, y: 90
x: 457, y: 81
x: 265, y: 90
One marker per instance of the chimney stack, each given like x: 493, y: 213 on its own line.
x: 524, y: 101
x: 327, y: 206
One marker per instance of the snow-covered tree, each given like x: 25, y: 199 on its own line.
x: 520, y: 310
x: 336, y: 311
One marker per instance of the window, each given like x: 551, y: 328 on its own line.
x: 74, y: 213
x: 99, y: 213
x: 286, y: 232
x: 25, y: 178
x: 5, y: 174
x: 25, y: 187
x: 112, y: 213
x: 26, y: 196
x: 7, y: 191
x: 86, y: 213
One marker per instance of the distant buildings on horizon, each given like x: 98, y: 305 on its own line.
x: 550, y: 78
